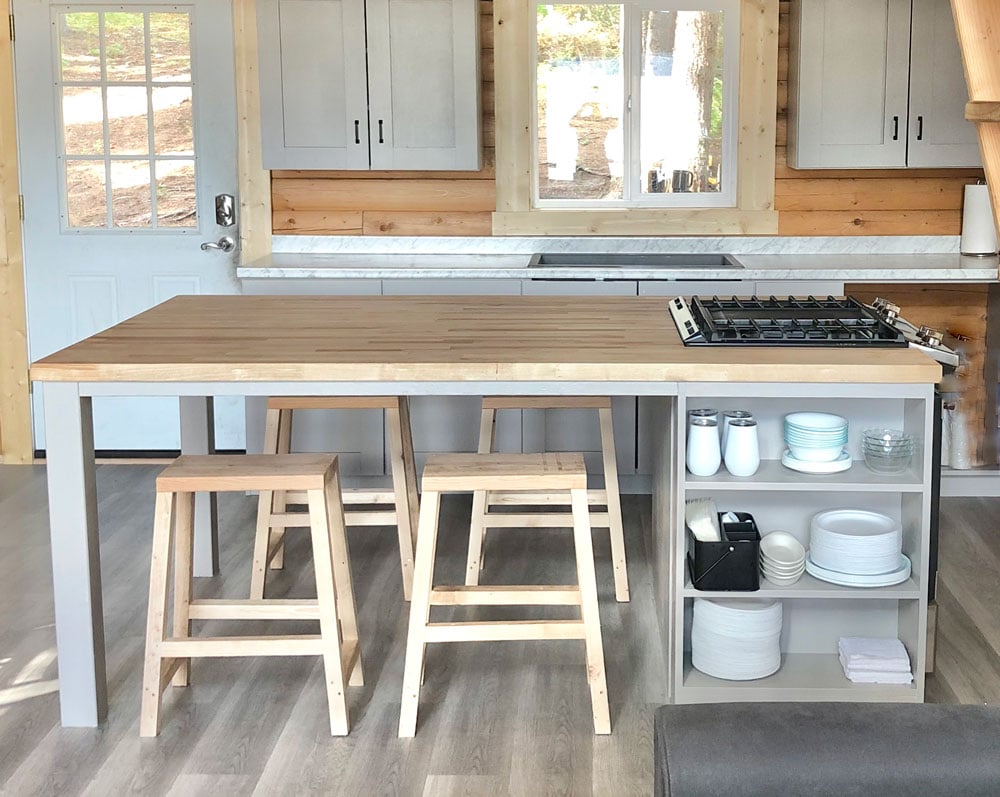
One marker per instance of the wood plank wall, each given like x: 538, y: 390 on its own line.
x: 814, y: 202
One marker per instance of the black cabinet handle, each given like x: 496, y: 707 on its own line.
x: 895, y: 128
x: 381, y: 140
x: 920, y: 128
x: 357, y: 131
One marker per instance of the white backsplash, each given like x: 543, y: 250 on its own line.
x: 355, y: 244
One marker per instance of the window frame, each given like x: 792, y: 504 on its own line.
x: 519, y: 212
x: 631, y: 111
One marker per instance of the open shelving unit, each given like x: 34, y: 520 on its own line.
x: 815, y: 613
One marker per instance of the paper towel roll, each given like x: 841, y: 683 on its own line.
x: 979, y: 232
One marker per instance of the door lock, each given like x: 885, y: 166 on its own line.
x: 225, y: 210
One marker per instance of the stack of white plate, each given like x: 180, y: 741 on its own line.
x: 855, y: 547
x: 782, y: 558
x: 816, y: 442
x: 737, y: 640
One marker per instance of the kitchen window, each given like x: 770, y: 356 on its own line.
x: 636, y: 104
x: 643, y: 117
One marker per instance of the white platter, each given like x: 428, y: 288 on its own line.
x: 852, y: 580
x: 842, y: 463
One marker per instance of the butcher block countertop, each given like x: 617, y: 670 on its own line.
x: 444, y: 339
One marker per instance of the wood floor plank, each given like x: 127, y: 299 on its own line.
x: 510, y: 718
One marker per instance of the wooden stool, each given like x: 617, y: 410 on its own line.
x: 169, y: 656
x: 609, y: 497
x: 469, y: 472
x: 272, y: 517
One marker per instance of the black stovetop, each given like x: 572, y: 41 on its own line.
x: 790, y: 321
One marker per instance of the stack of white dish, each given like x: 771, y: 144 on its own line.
x: 782, y: 558
x: 816, y: 442
x: 737, y: 640
x: 857, y: 548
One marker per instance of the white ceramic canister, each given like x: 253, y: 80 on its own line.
x: 728, y: 417
x: 703, y: 453
x: 742, y: 451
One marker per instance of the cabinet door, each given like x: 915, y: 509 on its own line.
x: 423, y: 82
x: 580, y: 430
x: 848, y: 83
x: 939, y: 135
x: 313, y: 88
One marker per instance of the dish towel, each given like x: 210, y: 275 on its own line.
x: 870, y: 660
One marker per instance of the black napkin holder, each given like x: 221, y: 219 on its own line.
x: 730, y: 565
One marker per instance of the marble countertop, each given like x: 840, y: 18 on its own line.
x: 845, y: 266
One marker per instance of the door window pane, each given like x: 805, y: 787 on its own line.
x: 131, y: 203
x: 148, y: 122
x: 83, y: 120
x: 580, y: 90
x: 173, y: 131
x: 170, y: 47
x: 680, y: 139
x: 86, y: 195
x: 80, y: 55
x: 128, y: 120
x: 175, y: 193
x: 125, y: 46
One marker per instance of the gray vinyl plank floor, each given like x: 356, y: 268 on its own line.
x: 505, y: 718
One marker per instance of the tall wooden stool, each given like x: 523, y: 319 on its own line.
x: 469, y: 472
x: 609, y: 497
x: 168, y: 657
x: 273, y: 517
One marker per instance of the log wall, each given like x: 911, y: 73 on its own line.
x: 814, y: 202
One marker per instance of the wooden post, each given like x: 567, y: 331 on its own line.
x: 15, y: 414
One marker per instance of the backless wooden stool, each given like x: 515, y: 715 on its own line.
x: 609, y: 497
x: 446, y: 473
x: 273, y: 517
x: 168, y: 657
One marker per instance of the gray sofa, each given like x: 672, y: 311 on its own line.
x: 841, y: 749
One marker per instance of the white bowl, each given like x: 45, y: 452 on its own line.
x: 828, y: 454
x: 780, y: 570
x: 816, y: 420
x: 782, y: 548
x: 779, y: 581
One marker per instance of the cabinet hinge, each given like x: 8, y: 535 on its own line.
x: 10, y: 23
x: 20, y: 206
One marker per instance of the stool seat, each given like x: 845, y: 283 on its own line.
x: 512, y: 472
x: 546, y: 402
x: 333, y: 402
x: 529, y: 472
x: 225, y: 473
x: 168, y: 653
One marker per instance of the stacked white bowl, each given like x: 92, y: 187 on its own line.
x: 737, y: 640
x: 782, y: 558
x: 857, y: 547
x: 815, y: 436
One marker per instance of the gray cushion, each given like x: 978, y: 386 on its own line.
x: 883, y: 749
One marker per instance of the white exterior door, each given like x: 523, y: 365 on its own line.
x: 127, y: 130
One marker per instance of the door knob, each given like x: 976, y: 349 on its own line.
x: 225, y: 243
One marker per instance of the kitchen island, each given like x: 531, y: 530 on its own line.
x: 199, y: 347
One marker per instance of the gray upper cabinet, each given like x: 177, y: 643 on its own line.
x: 382, y: 84
x: 877, y: 84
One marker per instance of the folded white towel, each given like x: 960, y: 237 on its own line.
x: 859, y: 677
x: 876, y: 665
x: 872, y: 649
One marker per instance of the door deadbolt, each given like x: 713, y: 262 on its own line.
x: 225, y: 210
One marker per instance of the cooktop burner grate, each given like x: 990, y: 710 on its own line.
x: 789, y: 321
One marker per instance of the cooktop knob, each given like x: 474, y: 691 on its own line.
x: 931, y: 337
x: 887, y: 308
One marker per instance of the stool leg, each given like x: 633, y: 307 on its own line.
x: 346, y: 607
x: 420, y: 612
x: 614, y: 506
x: 405, y: 522
x: 183, y: 554
x: 275, y: 428
x: 284, y: 446
x: 159, y: 566
x: 590, y: 613
x: 477, y: 526
x: 326, y: 596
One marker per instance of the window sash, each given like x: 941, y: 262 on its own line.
x: 631, y: 112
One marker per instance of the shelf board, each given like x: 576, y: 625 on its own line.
x: 810, y: 587
x: 772, y: 475
x: 803, y: 676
